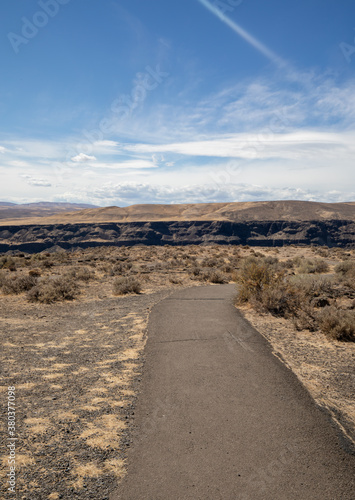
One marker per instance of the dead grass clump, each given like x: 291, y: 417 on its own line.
x: 338, y: 324
x: 125, y: 285
x: 53, y: 290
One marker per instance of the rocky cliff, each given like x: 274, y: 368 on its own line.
x: 35, y: 238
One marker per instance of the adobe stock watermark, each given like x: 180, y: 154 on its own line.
x: 121, y: 109
x: 260, y: 479
x: 347, y: 50
x: 278, y: 124
x: 11, y: 440
x: 224, y: 6
x: 31, y: 27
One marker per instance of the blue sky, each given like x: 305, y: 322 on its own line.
x: 120, y: 102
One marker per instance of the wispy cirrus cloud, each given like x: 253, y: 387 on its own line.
x: 222, y: 143
x: 297, y: 145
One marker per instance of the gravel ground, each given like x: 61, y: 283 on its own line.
x: 76, y: 370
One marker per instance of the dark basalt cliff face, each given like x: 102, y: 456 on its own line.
x: 35, y: 238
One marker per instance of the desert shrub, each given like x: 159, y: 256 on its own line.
x: 287, y: 264
x: 323, y: 251
x: 53, y: 290
x: 280, y: 299
x: 338, y: 324
x: 311, y: 286
x: 215, y: 276
x: 227, y: 268
x: 35, y: 273
x: 212, y: 262
x: 313, y: 266
x: 13, y: 285
x: 124, y: 285
x: 46, y: 264
x: 60, y: 256
x: 253, y: 276
x: 272, y: 261
x: 7, y: 262
x: 305, y: 318
x: 346, y: 272
x: 195, y: 271
x: 120, y: 268
x: 81, y: 273
x: 2, y: 278
x: 345, y: 267
x: 175, y: 280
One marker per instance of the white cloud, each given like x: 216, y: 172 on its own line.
x: 133, y: 193
x: 33, y: 181
x: 82, y: 158
x: 264, y: 132
x: 265, y: 145
x: 129, y: 164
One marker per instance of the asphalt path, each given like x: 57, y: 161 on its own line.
x: 220, y: 417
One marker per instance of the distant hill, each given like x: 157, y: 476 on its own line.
x: 62, y: 213
x: 271, y: 223
x: 11, y: 211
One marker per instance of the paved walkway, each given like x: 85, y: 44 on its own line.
x: 221, y: 418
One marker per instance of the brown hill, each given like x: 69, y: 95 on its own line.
x: 12, y: 211
x: 232, y: 212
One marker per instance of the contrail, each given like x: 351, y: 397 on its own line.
x: 244, y: 34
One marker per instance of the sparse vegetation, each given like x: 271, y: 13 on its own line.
x: 312, y: 302
x: 314, y: 288
x: 289, y: 286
